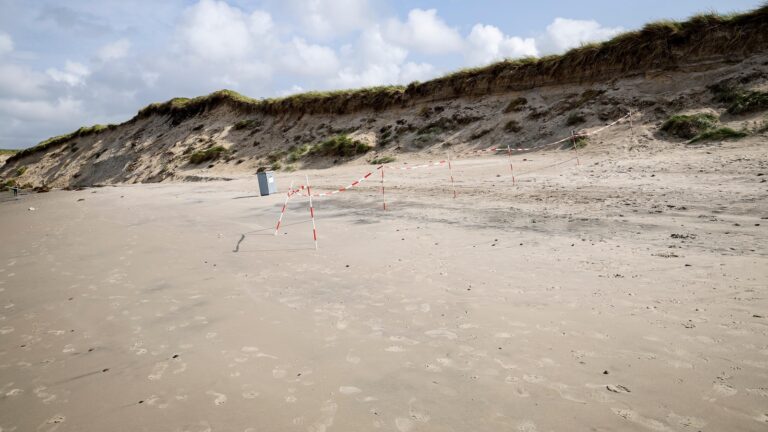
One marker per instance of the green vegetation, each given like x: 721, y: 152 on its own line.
x: 381, y: 160
x: 575, y: 118
x: 341, y: 146
x: 689, y: 126
x: 20, y: 171
x: 276, y: 166
x: 718, y: 134
x: 579, y: 142
x: 247, y: 124
x: 208, y: 154
x: 516, y: 104
x: 739, y: 101
x: 61, y: 139
x: 5, y: 185
x: 296, y: 153
x: 8, y: 152
x: 699, y: 127
x: 660, y: 45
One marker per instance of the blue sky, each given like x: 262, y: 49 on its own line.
x: 68, y: 64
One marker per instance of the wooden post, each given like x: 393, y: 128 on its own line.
x: 311, y: 212
x: 450, y: 169
x: 511, y: 170
x: 383, y: 198
x: 575, y: 148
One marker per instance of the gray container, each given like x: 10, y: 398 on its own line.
x: 267, y: 183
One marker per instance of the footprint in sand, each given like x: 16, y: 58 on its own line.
x: 527, y: 426
x: 441, y: 333
x: 349, y: 390
x: 57, y: 419
x: 640, y: 420
x: 404, y: 424
x: 723, y: 390
x: 219, y: 398
x: 44, y: 396
x: 327, y: 415
x: 686, y: 421
x: 353, y: 359
x: 157, y: 371
x: 14, y: 392
x: 250, y: 394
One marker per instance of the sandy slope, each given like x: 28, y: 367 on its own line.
x: 627, y: 293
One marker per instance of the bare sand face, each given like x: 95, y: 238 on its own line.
x: 627, y: 293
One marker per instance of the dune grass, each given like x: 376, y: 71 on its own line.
x: 340, y: 146
x: 657, y: 45
x: 8, y: 151
x: 718, y: 134
x: 206, y: 155
x: 739, y: 100
x: 381, y: 160
x: 689, y: 126
x: 61, y: 139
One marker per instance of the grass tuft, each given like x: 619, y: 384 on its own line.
x: 689, y: 126
x: 206, y: 155
x: 719, y: 134
x: 739, y: 101
x: 381, y: 160
x: 341, y: 146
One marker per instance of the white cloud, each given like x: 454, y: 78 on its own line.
x: 487, y: 43
x: 416, y: 72
x: 74, y: 74
x: 214, y: 30
x: 42, y: 110
x: 295, y: 89
x: 374, y: 61
x: 6, y: 43
x: 563, y: 34
x: 308, y: 59
x: 115, y: 50
x: 328, y: 18
x: 425, y: 32
x: 22, y: 82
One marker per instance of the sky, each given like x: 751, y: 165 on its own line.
x: 66, y: 64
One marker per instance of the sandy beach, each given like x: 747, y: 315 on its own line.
x: 625, y: 293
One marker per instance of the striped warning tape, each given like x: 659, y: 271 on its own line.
x: 569, y: 138
x: 301, y: 189
x: 442, y: 162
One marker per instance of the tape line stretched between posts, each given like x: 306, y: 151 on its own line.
x: 301, y: 189
x: 583, y: 134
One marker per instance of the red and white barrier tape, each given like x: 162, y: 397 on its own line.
x: 442, y: 162
x: 539, y: 147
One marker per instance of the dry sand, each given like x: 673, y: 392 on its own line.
x: 627, y: 293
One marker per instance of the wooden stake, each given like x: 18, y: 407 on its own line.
x: 575, y: 147
x: 450, y: 168
x: 311, y: 212
x: 511, y: 170
x: 383, y: 198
